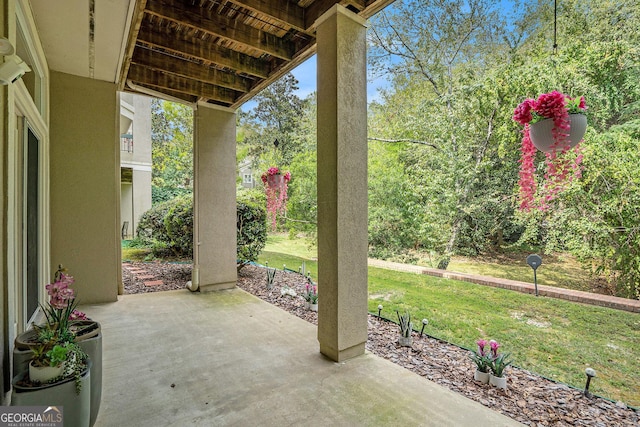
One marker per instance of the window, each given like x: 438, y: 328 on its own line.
x: 247, y: 178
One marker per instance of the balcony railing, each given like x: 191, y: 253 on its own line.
x: 126, y: 142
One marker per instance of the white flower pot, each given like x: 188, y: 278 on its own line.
x: 313, y: 307
x: 405, y: 341
x: 307, y: 305
x: 482, y: 377
x: 44, y: 374
x: 500, y: 382
x: 542, y: 135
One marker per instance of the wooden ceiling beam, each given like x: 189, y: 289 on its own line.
x: 136, y: 21
x: 157, y: 79
x: 199, y: 49
x: 287, y: 12
x: 221, y: 26
x: 183, y: 68
x: 170, y: 95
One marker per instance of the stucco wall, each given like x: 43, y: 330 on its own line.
x: 85, y: 202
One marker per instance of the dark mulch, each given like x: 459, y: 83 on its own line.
x: 530, y: 399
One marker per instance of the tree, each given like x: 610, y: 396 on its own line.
x: 443, y: 57
x: 275, y: 117
x: 172, y: 150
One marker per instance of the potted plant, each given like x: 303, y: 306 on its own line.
x: 313, y: 297
x: 275, y: 184
x: 483, y: 362
x: 58, y: 374
x: 47, y: 362
x: 555, y: 124
x: 404, y: 321
x: 499, y: 362
x: 65, y: 327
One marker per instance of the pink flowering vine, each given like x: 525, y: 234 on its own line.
x: 276, y: 186
x: 560, y: 170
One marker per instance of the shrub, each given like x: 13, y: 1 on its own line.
x: 168, y: 226
x: 151, y: 224
x: 251, y: 226
x: 178, y: 225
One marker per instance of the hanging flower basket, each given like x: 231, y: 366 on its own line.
x: 554, y: 124
x: 275, y: 185
x: 275, y: 181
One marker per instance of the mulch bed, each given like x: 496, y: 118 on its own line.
x: 530, y: 399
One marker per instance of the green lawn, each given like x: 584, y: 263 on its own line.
x: 554, y: 338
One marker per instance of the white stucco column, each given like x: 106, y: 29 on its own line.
x: 214, y: 198
x: 342, y: 184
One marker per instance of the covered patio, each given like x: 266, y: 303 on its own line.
x: 228, y: 358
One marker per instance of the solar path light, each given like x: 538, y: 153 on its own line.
x: 534, y: 261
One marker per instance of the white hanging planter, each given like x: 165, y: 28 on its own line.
x: 541, y: 133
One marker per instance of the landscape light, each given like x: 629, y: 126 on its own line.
x: 379, y: 309
x: 590, y: 374
x: 425, y: 322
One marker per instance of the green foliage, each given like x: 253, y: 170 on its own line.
x: 500, y: 363
x: 404, y: 322
x: 251, y: 226
x: 276, y: 116
x: 172, y: 150
x: 151, y: 227
x: 168, y: 226
x: 178, y: 224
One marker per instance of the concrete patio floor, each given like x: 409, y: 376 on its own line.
x: 229, y: 359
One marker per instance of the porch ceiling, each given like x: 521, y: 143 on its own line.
x: 222, y: 51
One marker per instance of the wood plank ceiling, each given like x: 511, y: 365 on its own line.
x: 222, y: 51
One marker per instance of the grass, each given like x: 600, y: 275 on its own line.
x: 554, y: 338
x: 134, y: 253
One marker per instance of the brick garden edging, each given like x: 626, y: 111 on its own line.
x: 514, y: 285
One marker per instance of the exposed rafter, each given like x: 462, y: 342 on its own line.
x: 181, y: 67
x: 222, y: 51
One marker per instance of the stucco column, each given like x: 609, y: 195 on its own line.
x: 85, y: 185
x: 342, y: 184
x: 214, y: 164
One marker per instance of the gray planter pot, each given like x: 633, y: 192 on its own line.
x: 92, y: 346
x: 76, y: 407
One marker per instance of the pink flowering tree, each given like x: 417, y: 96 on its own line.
x: 275, y: 185
x: 561, y: 169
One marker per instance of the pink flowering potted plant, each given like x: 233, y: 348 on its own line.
x: 483, y: 362
x: 554, y: 124
x: 276, y: 185
x: 498, y: 363
x: 67, y: 339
